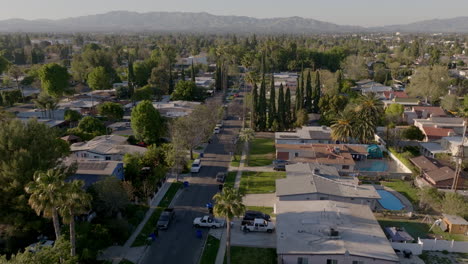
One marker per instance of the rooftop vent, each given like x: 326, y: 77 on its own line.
x: 334, y: 234
x: 316, y: 171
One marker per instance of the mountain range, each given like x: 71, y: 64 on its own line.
x: 125, y: 21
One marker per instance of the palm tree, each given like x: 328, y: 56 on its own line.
x: 369, y: 107
x: 75, y: 202
x: 229, y: 205
x: 343, y: 127
x: 47, y: 195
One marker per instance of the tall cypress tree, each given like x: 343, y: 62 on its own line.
x: 262, y: 105
x: 288, y: 115
x: 171, y: 80
x: 298, y: 103
x: 281, y: 112
x: 316, y: 92
x: 272, y: 105
x: 193, y: 72
x: 339, y: 81
x: 182, y: 75
x: 254, y: 117
x: 308, y: 96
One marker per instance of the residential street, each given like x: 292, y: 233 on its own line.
x: 179, y: 243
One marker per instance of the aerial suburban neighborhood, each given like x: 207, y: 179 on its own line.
x: 178, y: 137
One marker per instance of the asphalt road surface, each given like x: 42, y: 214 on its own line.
x: 179, y: 244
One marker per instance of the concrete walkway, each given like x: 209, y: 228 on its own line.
x: 117, y: 253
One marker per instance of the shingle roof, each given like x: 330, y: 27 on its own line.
x: 437, y: 132
x: 432, y: 110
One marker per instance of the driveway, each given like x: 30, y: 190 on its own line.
x: 179, y: 243
x: 252, y: 239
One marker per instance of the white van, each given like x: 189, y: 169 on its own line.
x: 196, y: 166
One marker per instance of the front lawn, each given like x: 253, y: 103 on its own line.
x: 211, y: 251
x: 230, y: 179
x: 260, y: 182
x: 262, y: 152
x: 405, y: 188
x: 250, y: 255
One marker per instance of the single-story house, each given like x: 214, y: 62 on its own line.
x: 423, y: 112
x: 455, y: 224
x: 330, y: 232
x: 305, y: 135
x: 108, y: 147
x: 93, y: 171
x: 454, y: 123
x: 435, y: 173
x: 436, y: 133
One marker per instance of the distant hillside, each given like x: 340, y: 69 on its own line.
x: 124, y: 21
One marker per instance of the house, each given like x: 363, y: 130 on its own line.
x: 454, y: 123
x: 342, y: 157
x: 423, y: 112
x: 452, y: 145
x: 305, y: 135
x: 92, y: 171
x: 378, y: 90
x: 109, y: 147
x: 174, y: 109
x: 455, y: 224
x: 431, y: 149
x: 330, y: 232
x: 436, y: 174
x: 287, y: 79
x: 436, y: 133
x: 309, y: 184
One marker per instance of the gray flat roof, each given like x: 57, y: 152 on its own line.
x: 303, y: 227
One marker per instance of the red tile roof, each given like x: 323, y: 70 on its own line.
x: 437, y: 132
x: 431, y: 110
x: 400, y: 95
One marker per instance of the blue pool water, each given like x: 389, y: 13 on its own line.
x: 376, y: 165
x: 389, y: 201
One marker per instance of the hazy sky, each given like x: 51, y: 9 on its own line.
x: 353, y: 12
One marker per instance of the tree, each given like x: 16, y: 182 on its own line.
x: 92, y: 125
x: 308, y: 96
x: 316, y: 93
x: 254, y: 111
x: 288, y: 114
x: 142, y: 71
x: 99, y: 79
x: 429, y: 82
x: 395, y: 110
x: 47, y: 195
x: 4, y: 63
x: 455, y: 204
x: 262, y: 106
x: 301, y: 118
x: 111, y: 110
x: 15, y: 72
x: 161, y: 79
x: 247, y: 134
x: 147, y: 122
x: 54, y: 79
x: 72, y: 116
x: 450, y: 103
x: 343, y: 127
x: 75, y: 202
x: 272, y: 105
x: 413, y: 133
x: 185, y: 90
x: 281, y: 108
x: 109, y: 197
x: 355, y: 67
x: 369, y: 108
x: 228, y: 204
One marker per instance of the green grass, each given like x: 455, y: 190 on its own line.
x: 260, y: 182
x: 404, y: 188
x: 230, y: 179
x: 250, y: 255
x: 417, y: 229
x: 211, y: 251
x: 262, y: 152
x: 429, y: 258
x: 235, y: 162
x: 404, y: 158
x: 125, y: 261
x: 263, y: 209
x: 150, y: 226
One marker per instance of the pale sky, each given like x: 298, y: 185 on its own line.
x: 346, y: 12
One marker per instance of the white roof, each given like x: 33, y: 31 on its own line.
x: 112, y: 144
x: 303, y: 228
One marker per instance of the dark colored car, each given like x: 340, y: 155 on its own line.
x: 220, y: 177
x: 251, y: 215
x: 165, y: 219
x: 279, y: 165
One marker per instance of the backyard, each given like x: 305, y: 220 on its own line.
x: 405, y: 188
x: 262, y: 152
x: 210, y: 251
x: 250, y: 255
x: 259, y: 182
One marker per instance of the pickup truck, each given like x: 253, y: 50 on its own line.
x: 208, y: 221
x: 165, y: 218
x: 257, y: 225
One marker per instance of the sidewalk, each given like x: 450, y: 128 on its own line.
x: 222, y: 239
x: 117, y: 253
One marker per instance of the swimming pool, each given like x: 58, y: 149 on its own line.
x: 375, y: 165
x: 389, y: 201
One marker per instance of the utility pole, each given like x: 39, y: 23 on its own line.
x: 460, y: 156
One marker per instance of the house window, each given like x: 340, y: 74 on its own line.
x: 323, y: 198
x: 345, y: 167
x: 108, y: 158
x: 358, y: 262
x: 96, y: 157
x: 302, y: 260
x: 296, y: 154
x: 332, y: 261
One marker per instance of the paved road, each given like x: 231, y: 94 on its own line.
x: 179, y: 244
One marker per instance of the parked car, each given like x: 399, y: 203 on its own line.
x: 196, y: 166
x: 279, y: 165
x: 217, y: 130
x: 258, y: 225
x: 208, y: 221
x: 165, y: 219
x: 220, y: 177
x: 251, y: 215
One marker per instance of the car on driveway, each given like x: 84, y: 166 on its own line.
x: 258, y: 225
x: 252, y: 215
x: 208, y: 221
x: 217, y: 130
x: 220, y: 177
x: 279, y: 165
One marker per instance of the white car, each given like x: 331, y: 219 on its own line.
x: 217, y: 130
x: 208, y: 221
x: 196, y: 166
x: 257, y: 225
